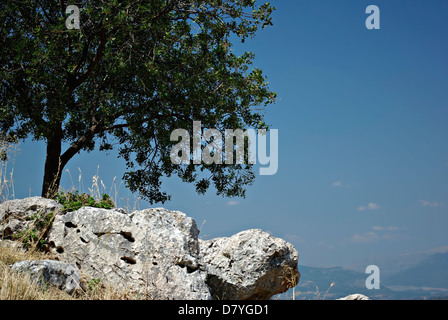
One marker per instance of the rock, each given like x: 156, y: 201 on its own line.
x: 10, y: 244
x: 249, y: 265
x: 157, y: 252
x: 153, y: 251
x: 356, y: 296
x: 18, y: 215
x: 64, y: 276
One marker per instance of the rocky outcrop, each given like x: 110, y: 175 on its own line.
x: 62, y: 275
x: 355, y: 296
x: 17, y: 216
x: 249, y: 265
x: 157, y: 252
x: 153, y: 250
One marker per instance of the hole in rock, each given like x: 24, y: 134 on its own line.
x: 128, y: 236
x: 191, y: 270
x: 128, y: 260
x: 99, y: 234
x: 185, y: 264
x: 59, y: 250
x: 83, y: 240
x: 70, y: 224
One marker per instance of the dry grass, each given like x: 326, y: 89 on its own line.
x: 19, y: 286
x: 98, y: 188
x: 8, y: 153
x: 290, y: 280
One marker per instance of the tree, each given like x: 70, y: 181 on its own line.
x: 133, y: 72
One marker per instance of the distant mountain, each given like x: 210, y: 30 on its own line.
x: 332, y: 283
x: 430, y: 273
x: 423, y: 278
x: 392, y: 265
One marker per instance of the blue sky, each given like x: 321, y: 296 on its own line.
x: 362, y: 120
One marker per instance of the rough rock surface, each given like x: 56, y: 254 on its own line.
x: 157, y: 252
x: 16, y: 215
x: 64, y: 276
x: 356, y: 296
x: 153, y: 250
x: 249, y: 265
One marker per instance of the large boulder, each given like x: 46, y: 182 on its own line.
x: 64, y: 276
x: 17, y: 216
x: 157, y: 252
x: 251, y: 264
x: 153, y: 251
x: 355, y: 296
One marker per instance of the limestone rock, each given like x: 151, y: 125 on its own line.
x: 153, y: 250
x: 64, y: 276
x: 17, y: 215
x: 156, y: 252
x: 249, y: 265
x: 356, y: 296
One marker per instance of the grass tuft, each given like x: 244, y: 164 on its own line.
x: 15, y: 285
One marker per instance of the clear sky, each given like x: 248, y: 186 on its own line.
x: 363, y: 131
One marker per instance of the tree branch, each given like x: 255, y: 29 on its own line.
x: 93, y: 64
x: 79, y: 144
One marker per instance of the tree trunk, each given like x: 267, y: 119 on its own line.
x: 55, y: 161
x: 53, y: 165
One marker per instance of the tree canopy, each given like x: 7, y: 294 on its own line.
x: 134, y: 72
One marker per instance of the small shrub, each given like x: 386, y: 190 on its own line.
x: 74, y: 200
x: 93, y: 283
